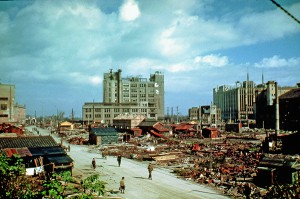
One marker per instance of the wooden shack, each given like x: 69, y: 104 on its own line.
x: 103, y: 135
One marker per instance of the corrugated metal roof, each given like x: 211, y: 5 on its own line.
x: 41, y: 151
x: 64, y: 159
x: 109, y: 131
x: 34, y: 141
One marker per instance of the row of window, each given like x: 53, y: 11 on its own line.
x: 4, y: 98
x: 135, y: 110
x: 116, y: 110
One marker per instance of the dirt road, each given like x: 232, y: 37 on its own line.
x: 164, y: 184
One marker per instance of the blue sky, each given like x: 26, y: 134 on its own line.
x: 56, y: 52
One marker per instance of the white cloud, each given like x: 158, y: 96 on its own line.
x: 129, y: 11
x: 95, y: 80
x: 212, y: 60
x: 276, y: 62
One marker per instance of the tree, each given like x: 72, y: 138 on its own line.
x: 13, y: 183
x: 93, y: 184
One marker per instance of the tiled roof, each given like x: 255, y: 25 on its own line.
x: 108, y: 131
x: 23, y: 152
x: 34, y: 141
x: 294, y: 93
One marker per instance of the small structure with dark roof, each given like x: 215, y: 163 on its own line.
x: 103, y: 135
x: 37, y: 151
x: 210, y: 133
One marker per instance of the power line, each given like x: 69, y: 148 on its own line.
x: 284, y: 10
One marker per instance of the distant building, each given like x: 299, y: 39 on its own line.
x: 194, y: 114
x: 208, y: 116
x: 127, y: 122
x: 10, y: 111
x: 246, y: 102
x: 7, y: 102
x: 131, y: 95
x: 265, y: 105
x: 236, y: 102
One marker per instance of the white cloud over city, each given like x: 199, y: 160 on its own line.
x: 195, y: 44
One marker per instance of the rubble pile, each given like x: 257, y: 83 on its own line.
x: 226, y: 165
x: 76, y: 136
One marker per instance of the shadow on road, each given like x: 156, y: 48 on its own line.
x: 208, y: 192
x: 141, y: 177
x: 113, y: 165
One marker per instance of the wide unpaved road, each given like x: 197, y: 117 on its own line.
x: 164, y: 185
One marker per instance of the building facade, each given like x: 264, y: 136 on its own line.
x: 265, y: 104
x: 289, y: 110
x: 10, y: 111
x: 236, y: 102
x: 208, y: 116
x: 131, y: 95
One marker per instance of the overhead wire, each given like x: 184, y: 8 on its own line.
x: 284, y: 10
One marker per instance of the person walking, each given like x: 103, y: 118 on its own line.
x: 150, y: 169
x: 119, y: 159
x: 94, y: 163
x: 122, y: 185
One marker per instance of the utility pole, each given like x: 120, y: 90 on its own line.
x: 276, y: 112
x: 72, y: 116
x: 177, y: 115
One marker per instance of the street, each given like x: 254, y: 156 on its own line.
x: 163, y: 185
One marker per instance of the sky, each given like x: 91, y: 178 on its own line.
x: 56, y: 52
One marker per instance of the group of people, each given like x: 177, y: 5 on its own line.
x: 122, y: 181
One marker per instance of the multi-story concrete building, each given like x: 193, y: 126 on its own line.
x: 236, y: 102
x: 208, y: 116
x: 265, y: 111
x: 10, y: 111
x: 239, y: 103
x: 7, y: 102
x: 194, y: 114
x: 131, y: 95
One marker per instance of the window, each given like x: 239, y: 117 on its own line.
x: 3, y: 115
x: 97, y: 115
x: 3, y: 107
x: 4, y: 98
x: 97, y: 109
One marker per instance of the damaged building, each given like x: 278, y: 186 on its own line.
x: 40, y: 153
